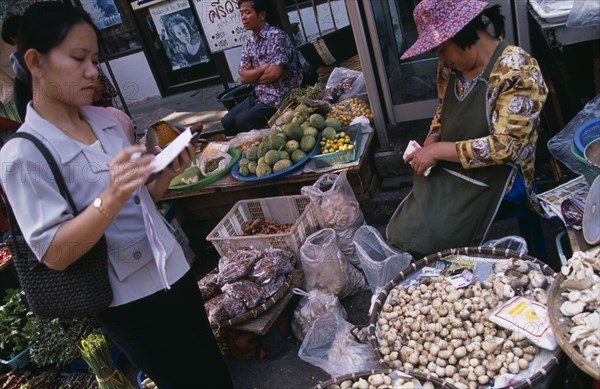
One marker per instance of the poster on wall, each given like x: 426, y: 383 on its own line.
x: 104, y: 13
x: 179, y: 35
x: 221, y: 23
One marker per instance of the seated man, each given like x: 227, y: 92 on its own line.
x: 270, y: 61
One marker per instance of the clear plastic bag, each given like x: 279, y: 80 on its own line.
x: 326, y: 269
x: 511, y: 242
x: 236, y: 264
x: 330, y: 345
x: 358, y: 89
x: 209, y: 286
x: 223, y: 307
x: 245, y: 291
x: 585, y: 13
x: 213, y: 162
x: 340, y: 80
x: 244, y: 138
x: 560, y: 144
x: 313, y: 305
x: 380, y: 262
x: 338, y: 209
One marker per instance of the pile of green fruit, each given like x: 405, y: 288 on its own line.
x: 286, y: 144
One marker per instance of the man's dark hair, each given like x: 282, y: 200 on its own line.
x: 468, y: 35
x: 10, y: 29
x: 257, y: 5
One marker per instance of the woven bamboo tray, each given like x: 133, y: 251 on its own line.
x: 437, y: 383
x: 481, y: 252
x: 560, y: 325
x: 249, y: 315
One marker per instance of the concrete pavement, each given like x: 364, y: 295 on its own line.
x: 182, y: 110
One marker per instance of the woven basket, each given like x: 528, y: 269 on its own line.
x: 560, y: 325
x: 249, y: 315
x: 437, y: 383
x: 481, y: 252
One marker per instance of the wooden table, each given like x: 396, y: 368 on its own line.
x: 577, y: 241
x: 261, y: 324
x: 212, y: 202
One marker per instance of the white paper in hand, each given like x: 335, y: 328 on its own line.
x: 413, y: 146
x: 169, y: 153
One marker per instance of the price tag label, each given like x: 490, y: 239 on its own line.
x: 462, y: 280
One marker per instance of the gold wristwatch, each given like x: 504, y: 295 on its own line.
x: 98, y: 205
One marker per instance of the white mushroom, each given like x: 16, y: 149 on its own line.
x: 537, y: 279
x: 519, y: 265
x: 572, y: 308
x: 540, y: 295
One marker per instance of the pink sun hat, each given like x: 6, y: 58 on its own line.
x: 439, y: 20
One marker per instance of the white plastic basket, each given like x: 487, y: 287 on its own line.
x: 282, y: 210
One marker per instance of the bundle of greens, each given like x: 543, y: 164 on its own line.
x: 96, y: 353
x: 54, y: 342
x: 15, y: 326
x: 295, y: 96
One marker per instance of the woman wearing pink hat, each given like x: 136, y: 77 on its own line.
x: 481, y: 145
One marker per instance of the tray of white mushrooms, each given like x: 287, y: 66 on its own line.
x: 382, y: 379
x: 435, y: 318
x: 574, y: 310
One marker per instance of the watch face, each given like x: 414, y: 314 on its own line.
x: 97, y: 202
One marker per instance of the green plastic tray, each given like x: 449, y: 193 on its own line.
x: 235, y: 155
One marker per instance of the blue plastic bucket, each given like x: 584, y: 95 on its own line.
x: 585, y: 134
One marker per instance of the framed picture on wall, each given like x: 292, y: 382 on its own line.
x: 104, y: 13
x: 181, y: 39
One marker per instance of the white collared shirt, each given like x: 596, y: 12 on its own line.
x: 40, y: 209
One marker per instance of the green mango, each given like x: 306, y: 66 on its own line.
x: 281, y: 165
x: 252, y: 167
x: 244, y: 171
x: 298, y: 155
x: 271, y: 157
x: 307, y: 143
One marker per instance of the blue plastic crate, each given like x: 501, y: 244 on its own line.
x: 341, y: 157
x: 19, y: 361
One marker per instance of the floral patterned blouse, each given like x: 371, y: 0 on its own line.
x: 273, y: 46
x: 516, y: 94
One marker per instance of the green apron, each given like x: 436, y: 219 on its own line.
x: 453, y: 206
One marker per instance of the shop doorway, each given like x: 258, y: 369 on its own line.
x: 176, y: 47
x: 408, y: 87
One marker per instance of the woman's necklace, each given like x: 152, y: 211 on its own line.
x: 464, y: 87
x: 71, y: 134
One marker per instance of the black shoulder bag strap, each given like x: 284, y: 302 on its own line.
x: 58, y: 178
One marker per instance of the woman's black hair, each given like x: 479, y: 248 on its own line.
x: 468, y: 35
x: 257, y: 5
x: 10, y: 28
x: 43, y: 26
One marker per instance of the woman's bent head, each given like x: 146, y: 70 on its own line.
x: 57, y: 53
